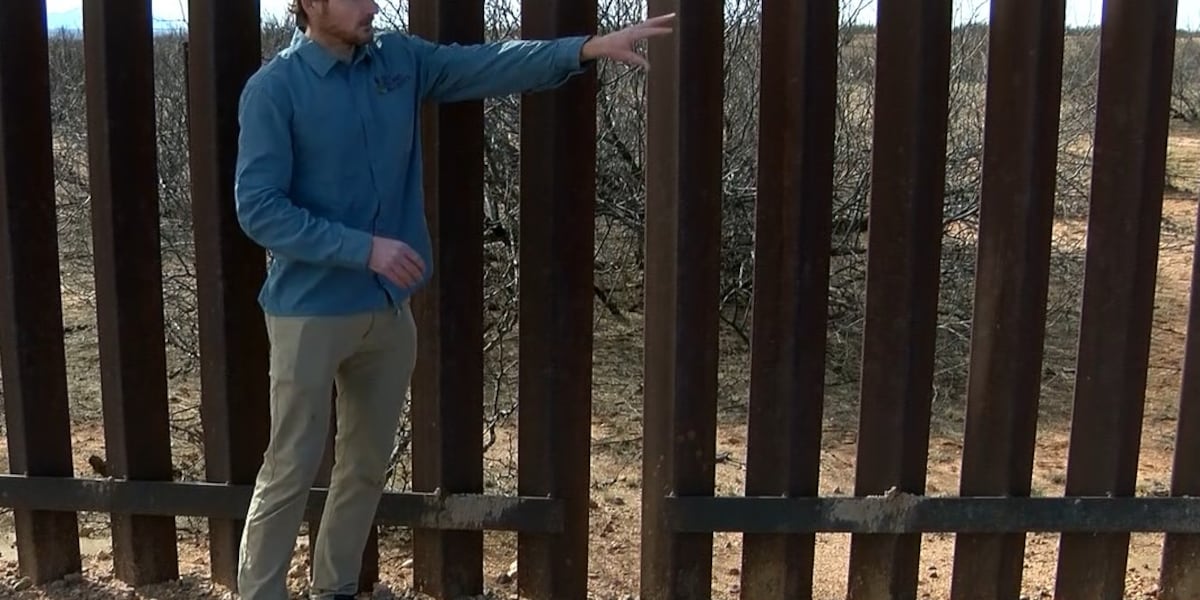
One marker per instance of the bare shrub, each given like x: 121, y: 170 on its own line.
x: 620, y: 197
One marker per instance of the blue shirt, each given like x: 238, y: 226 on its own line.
x: 329, y: 155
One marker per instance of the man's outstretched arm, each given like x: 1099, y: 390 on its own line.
x: 453, y: 72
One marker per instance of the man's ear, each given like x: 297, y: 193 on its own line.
x: 312, y: 8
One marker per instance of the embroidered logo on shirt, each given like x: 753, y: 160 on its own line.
x: 390, y: 82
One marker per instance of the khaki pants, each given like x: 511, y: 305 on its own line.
x: 370, y: 357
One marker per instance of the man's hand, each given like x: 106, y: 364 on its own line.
x: 619, y: 45
x: 396, y: 261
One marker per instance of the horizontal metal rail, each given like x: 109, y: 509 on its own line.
x: 904, y: 513
x: 463, y: 512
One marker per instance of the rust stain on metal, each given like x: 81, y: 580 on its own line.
x: 895, y: 509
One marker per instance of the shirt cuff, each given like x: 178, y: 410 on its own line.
x: 356, y: 248
x: 570, y: 50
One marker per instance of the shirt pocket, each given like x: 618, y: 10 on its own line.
x: 393, y: 93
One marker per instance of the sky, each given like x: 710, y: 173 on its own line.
x: 166, y: 11
x: 1079, y: 12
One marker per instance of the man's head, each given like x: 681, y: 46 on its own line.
x: 346, y: 21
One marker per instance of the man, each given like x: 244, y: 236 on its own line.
x: 329, y: 183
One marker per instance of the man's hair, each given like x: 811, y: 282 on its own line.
x: 297, y: 10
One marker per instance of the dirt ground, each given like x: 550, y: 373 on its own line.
x: 617, y: 445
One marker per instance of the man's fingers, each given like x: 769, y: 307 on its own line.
x: 411, y: 256
x: 634, y: 58
x: 400, y: 271
x: 408, y: 271
x: 412, y: 262
x: 654, y: 21
x: 417, y: 260
x: 395, y: 277
x: 654, y: 32
x: 407, y: 277
x: 654, y: 27
x: 397, y: 262
x: 640, y: 34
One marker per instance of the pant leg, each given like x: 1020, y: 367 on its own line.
x: 372, y: 390
x: 305, y: 353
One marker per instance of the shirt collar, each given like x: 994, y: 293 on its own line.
x: 321, y: 60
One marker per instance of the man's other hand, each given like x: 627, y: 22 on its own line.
x: 396, y: 261
x: 619, y: 45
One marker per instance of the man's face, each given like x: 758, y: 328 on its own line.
x: 350, y: 21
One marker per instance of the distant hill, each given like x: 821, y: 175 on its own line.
x: 72, y: 21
